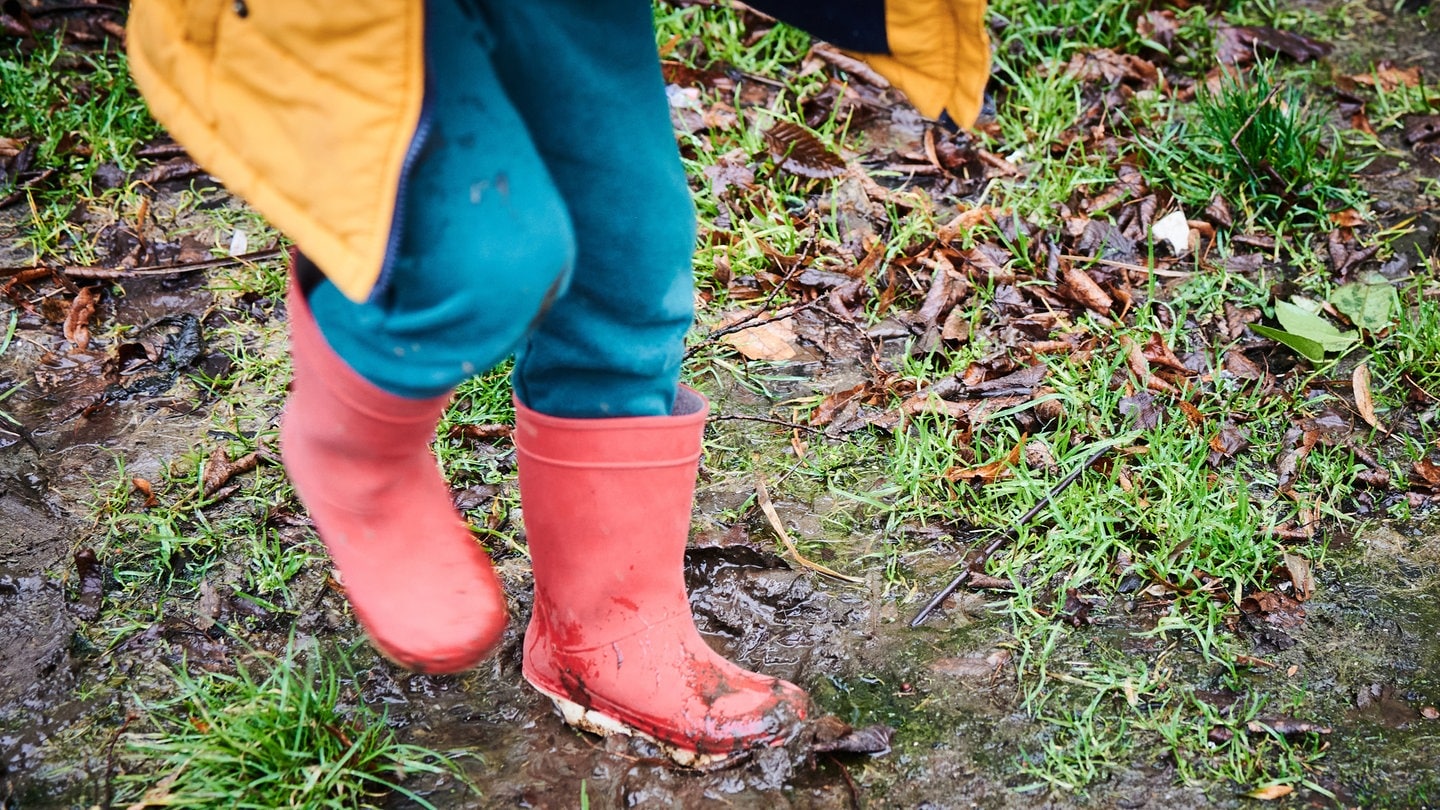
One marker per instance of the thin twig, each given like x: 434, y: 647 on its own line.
x: 106, y: 273
x: 1010, y: 534
x: 108, y: 798
x: 767, y: 420
x: 746, y: 322
x: 1138, y: 268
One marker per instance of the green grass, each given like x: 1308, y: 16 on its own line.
x: 1259, y: 142
x: 1135, y: 685
x: 9, y: 389
x: 80, y: 111
x: 291, y: 735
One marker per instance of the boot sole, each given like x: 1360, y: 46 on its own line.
x: 604, y: 725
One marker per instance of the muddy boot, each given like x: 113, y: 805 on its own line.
x: 360, y: 459
x: 611, y: 641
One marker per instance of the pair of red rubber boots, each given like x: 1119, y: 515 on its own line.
x: 606, y: 505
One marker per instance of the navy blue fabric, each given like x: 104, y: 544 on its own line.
x: 857, y: 25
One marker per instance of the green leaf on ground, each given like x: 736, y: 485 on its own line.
x: 1309, y: 349
x: 1307, y: 332
x: 1370, y: 305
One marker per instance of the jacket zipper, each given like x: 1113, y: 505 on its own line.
x: 397, y: 216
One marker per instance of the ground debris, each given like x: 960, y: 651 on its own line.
x: 220, y: 468
x: 833, y: 735
x: 90, y: 585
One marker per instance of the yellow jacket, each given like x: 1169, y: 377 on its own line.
x: 308, y: 109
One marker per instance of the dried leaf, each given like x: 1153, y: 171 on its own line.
x: 1159, y: 354
x: 1021, y: 383
x: 1284, y: 726
x: 1275, y: 609
x: 219, y: 469
x: 91, y: 585
x: 1083, y: 289
x: 799, y: 152
x: 1422, y: 133
x: 145, y: 488
x: 1225, y: 444
x: 1426, y: 472
x: 1238, y: 44
x: 833, y: 403
x: 207, y: 608
x: 731, y: 169
x: 1270, y: 793
x: 988, y: 473
x: 1389, y: 78
x: 481, y: 433
x: 1364, y: 399
x: 1076, y: 611
x: 1111, y: 68
x: 772, y: 340
x: 1142, y: 409
x: 873, y: 740
x: 1301, y: 577
x: 77, y: 319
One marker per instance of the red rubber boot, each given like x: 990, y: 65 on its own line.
x: 360, y: 459
x: 611, y: 641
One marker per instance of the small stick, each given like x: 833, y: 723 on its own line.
x: 105, y: 273
x: 1010, y: 534
x: 1138, y: 268
x: 767, y: 420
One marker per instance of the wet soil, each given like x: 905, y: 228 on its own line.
x: 1367, y: 658
x: 1369, y: 650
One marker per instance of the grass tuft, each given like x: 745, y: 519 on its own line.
x: 288, y: 738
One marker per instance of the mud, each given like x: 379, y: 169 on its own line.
x: 1369, y: 654
x: 1367, y: 659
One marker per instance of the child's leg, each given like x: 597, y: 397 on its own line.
x: 486, y: 241
x: 486, y: 244
x: 607, y: 501
x: 586, y: 78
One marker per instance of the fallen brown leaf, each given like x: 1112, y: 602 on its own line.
x: 1270, y: 793
x: 1388, y: 77
x: 988, y: 473
x: 77, y: 318
x: 1301, y: 577
x: 1083, y: 289
x: 772, y: 340
x: 144, y: 487
x: 874, y: 740
x: 833, y: 403
x: 219, y: 469
x: 1364, y: 400
x: 1277, y: 610
x: 798, y: 151
x: 1285, y: 726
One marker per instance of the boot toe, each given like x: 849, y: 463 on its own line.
x: 436, y: 632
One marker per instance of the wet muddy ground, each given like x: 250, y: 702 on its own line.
x: 1367, y: 655
x: 1368, y: 649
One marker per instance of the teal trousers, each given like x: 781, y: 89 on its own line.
x: 546, y: 214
